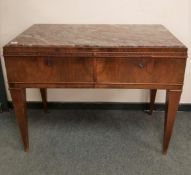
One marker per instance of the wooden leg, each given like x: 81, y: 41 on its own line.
x: 172, y: 103
x: 19, y: 102
x: 43, y: 92
x: 152, y: 100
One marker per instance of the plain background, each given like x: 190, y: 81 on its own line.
x: 18, y: 15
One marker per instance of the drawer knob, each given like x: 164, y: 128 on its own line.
x: 48, y: 62
x: 141, y: 65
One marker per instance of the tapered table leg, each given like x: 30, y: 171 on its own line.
x: 152, y: 100
x: 19, y: 103
x: 43, y: 92
x: 172, y: 103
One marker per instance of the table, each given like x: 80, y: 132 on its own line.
x: 95, y: 56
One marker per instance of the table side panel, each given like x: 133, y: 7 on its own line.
x: 106, y: 70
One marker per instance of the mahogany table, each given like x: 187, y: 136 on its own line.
x: 95, y: 56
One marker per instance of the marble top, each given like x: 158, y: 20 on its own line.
x: 107, y: 36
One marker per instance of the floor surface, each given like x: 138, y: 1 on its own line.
x: 95, y: 142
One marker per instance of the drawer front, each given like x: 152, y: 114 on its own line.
x: 140, y: 70
x: 49, y: 70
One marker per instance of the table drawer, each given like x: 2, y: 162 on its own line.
x: 140, y: 70
x: 48, y: 70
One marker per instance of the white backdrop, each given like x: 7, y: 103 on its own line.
x: 17, y: 15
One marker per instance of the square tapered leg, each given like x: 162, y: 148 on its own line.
x: 172, y: 103
x: 19, y: 102
x: 43, y: 92
x: 152, y: 100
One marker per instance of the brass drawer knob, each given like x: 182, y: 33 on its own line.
x: 141, y: 65
x: 48, y: 62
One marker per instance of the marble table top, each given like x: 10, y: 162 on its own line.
x: 101, y: 36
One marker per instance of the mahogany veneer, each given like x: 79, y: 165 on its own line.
x: 95, y: 56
